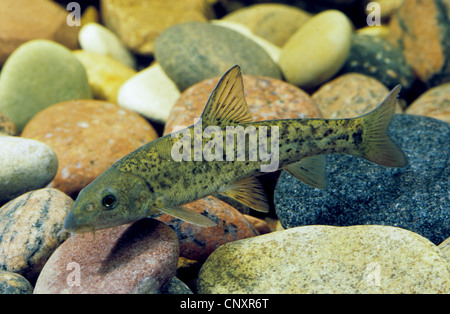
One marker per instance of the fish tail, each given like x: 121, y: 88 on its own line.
x: 376, y: 144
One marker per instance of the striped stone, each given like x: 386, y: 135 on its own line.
x: 28, y: 230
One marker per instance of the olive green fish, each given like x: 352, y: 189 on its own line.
x: 184, y: 166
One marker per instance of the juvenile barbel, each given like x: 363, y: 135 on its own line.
x: 148, y: 181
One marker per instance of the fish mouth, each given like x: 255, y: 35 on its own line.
x: 71, y: 225
x: 73, y: 231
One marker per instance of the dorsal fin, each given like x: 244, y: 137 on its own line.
x: 227, y: 105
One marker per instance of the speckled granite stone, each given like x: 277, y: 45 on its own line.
x: 445, y: 248
x: 325, y: 259
x: 378, y: 58
x: 359, y: 192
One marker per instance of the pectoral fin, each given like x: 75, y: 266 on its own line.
x: 188, y: 215
x: 249, y: 192
x: 310, y: 170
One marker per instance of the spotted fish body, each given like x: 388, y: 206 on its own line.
x: 149, y: 182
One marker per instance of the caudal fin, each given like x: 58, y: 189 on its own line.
x: 377, y: 146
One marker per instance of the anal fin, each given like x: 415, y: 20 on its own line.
x: 250, y: 192
x: 310, y: 170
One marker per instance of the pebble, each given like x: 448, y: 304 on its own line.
x: 7, y: 127
x: 377, y: 57
x: 139, y: 23
x: 326, y: 259
x: 420, y: 29
x: 25, y: 20
x: 12, y: 283
x: 192, y: 52
x: 150, y: 92
x: 434, y: 103
x: 359, y: 192
x: 381, y: 31
x: 176, y: 286
x: 96, y: 38
x: 317, y: 50
x: 260, y: 225
x: 273, y: 21
x: 197, y: 243
x: 25, y: 165
x: 272, y: 50
x: 105, y: 74
x: 38, y: 74
x: 138, y: 258
x: 267, y: 99
x: 88, y: 136
x: 90, y: 15
x: 28, y: 226
x: 350, y: 95
x: 445, y: 249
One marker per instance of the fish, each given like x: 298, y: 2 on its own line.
x: 154, y: 180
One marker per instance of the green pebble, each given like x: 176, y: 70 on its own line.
x: 192, y: 52
x: 38, y: 74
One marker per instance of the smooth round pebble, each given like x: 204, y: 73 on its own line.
x: 196, y: 242
x: 434, y: 103
x: 38, y: 74
x: 25, y: 20
x: 192, y: 52
x: 12, y: 283
x: 350, y: 95
x: 150, y: 93
x: 378, y: 58
x: 359, y: 192
x: 29, y: 226
x: 138, y: 258
x: 88, y: 136
x: 272, y: 50
x: 266, y: 98
x: 273, y: 21
x: 317, y: 50
x: 96, y: 38
x: 325, y: 259
x: 105, y: 74
x: 25, y: 165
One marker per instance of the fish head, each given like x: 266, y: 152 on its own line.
x: 112, y: 199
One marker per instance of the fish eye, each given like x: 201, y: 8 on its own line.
x: 109, y: 201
